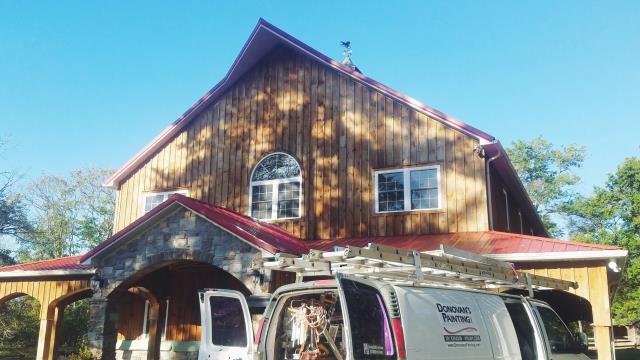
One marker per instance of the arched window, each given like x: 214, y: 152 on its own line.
x: 275, y: 188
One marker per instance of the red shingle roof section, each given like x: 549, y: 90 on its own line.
x: 264, y: 236
x: 484, y: 242
x: 64, y: 263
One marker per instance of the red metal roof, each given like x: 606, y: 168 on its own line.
x: 483, y: 242
x: 263, y: 235
x: 64, y: 263
x: 264, y: 37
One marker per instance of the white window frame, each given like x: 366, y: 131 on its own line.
x: 165, y: 194
x: 406, y: 174
x: 274, y: 190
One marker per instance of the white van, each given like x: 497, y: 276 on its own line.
x: 349, y: 317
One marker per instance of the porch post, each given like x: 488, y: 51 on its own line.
x: 47, y: 333
x: 153, y: 344
x: 601, y: 308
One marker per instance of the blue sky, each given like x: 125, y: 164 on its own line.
x: 90, y: 83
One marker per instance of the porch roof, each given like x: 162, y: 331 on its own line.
x: 63, y: 263
x: 501, y: 245
x: 262, y: 235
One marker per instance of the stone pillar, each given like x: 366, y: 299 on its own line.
x: 102, y: 328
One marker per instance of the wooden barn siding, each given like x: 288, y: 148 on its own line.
x: 49, y: 292
x: 592, y: 283
x: 500, y: 211
x: 339, y: 130
x: 130, y: 317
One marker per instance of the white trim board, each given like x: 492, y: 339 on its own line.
x: 28, y: 273
x: 558, y: 256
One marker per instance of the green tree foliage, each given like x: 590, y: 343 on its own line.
x: 63, y: 216
x: 70, y: 214
x: 19, y: 324
x: 612, y: 216
x: 75, y: 325
x: 547, y: 173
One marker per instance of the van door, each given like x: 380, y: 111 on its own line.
x: 560, y: 341
x: 226, y: 326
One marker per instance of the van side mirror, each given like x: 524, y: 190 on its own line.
x: 582, y: 342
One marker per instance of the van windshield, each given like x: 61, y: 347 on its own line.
x: 369, y: 323
x: 560, y: 339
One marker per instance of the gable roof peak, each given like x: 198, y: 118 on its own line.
x: 264, y: 37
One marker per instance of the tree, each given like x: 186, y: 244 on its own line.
x: 19, y: 321
x: 13, y: 217
x: 612, y: 216
x: 70, y: 214
x: 547, y: 173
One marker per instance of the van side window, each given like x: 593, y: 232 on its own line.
x: 227, y: 322
x: 524, y: 330
x: 369, y: 323
x: 560, y: 339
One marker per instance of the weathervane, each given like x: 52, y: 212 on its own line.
x: 347, y: 54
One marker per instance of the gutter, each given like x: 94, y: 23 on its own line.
x: 562, y: 255
x: 489, y: 195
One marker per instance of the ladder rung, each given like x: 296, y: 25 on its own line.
x: 448, y: 265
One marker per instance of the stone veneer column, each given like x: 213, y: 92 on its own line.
x: 102, y: 328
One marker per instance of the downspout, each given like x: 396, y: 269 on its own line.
x: 489, y: 195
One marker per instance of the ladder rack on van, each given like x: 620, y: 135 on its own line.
x: 447, y: 266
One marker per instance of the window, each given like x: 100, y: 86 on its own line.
x: 227, y: 322
x: 275, y: 188
x: 365, y: 306
x: 560, y: 339
x: 408, y: 189
x: 151, y: 200
x: 524, y: 330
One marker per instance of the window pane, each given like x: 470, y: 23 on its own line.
x: 524, y: 331
x: 276, y: 166
x: 227, y: 322
x: 152, y: 201
x: 261, y: 202
x: 424, y: 189
x: 365, y: 306
x: 390, y: 192
x: 289, y: 200
x: 560, y: 339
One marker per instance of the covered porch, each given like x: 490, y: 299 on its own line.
x: 54, y: 284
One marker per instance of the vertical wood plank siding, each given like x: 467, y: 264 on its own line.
x: 339, y: 130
